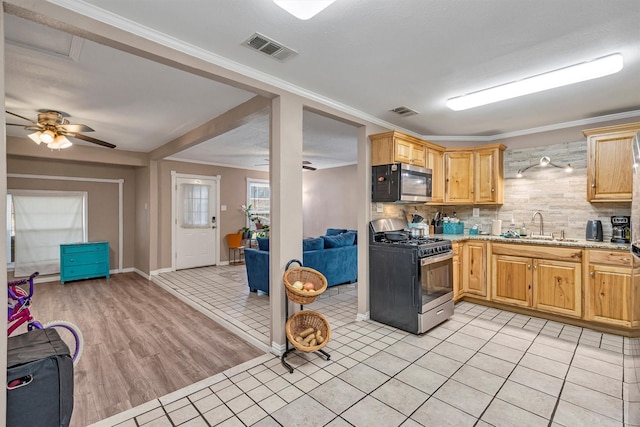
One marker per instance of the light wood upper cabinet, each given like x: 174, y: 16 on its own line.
x: 435, y: 162
x: 612, y: 288
x: 609, y: 163
x: 489, y: 176
x: 459, y: 177
x: 474, y: 272
x: 475, y: 176
x: 544, y: 278
x: 396, y: 147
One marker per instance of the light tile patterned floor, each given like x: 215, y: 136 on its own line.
x: 224, y: 294
x: 482, y: 367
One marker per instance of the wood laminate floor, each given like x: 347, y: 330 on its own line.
x: 140, y: 342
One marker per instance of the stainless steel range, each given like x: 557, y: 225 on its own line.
x: 411, y: 279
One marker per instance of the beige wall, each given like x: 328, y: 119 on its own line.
x: 329, y: 200
x: 142, y: 219
x: 102, y: 197
x: 233, y: 194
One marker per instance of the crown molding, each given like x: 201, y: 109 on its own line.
x: 140, y: 30
x: 540, y: 129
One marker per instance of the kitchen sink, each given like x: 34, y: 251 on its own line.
x: 541, y: 237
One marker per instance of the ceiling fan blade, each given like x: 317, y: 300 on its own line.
x: 306, y: 162
x: 21, y: 117
x: 75, y: 128
x: 15, y: 124
x: 89, y: 139
x: 309, y: 168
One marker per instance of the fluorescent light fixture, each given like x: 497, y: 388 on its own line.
x: 565, y: 76
x: 303, y: 9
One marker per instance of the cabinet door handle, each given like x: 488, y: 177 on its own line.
x: 528, y: 266
x: 592, y: 273
x: 593, y: 185
x: 624, y: 259
x: 493, y: 189
x: 535, y: 267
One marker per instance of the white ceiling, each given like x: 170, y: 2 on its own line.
x: 367, y: 55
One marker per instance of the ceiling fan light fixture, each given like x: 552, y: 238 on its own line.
x: 47, y: 136
x: 303, y: 9
x: 583, y: 71
x: 59, y: 143
x: 35, y: 137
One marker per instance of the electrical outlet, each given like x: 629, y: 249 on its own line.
x: 379, y: 207
x: 223, y: 207
x: 476, y: 212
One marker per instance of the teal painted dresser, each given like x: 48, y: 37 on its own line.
x: 84, y: 261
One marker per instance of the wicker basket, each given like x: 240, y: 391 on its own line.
x: 304, y: 274
x: 305, y: 319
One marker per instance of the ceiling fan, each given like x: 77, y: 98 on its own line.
x: 306, y: 164
x: 52, y: 128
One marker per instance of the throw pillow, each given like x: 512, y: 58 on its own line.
x: 312, y: 244
x: 263, y: 243
x: 335, y: 231
x: 344, y: 239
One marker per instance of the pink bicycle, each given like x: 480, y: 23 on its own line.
x: 19, y: 314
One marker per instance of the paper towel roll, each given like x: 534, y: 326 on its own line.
x: 496, y: 227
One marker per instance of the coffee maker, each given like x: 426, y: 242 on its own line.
x: 621, y: 232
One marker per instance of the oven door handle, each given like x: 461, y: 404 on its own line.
x: 438, y: 258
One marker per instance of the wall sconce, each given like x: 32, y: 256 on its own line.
x: 545, y: 161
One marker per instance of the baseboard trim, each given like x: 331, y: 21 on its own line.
x: 160, y: 271
x: 363, y: 316
x: 221, y: 321
x: 142, y: 274
x: 278, y: 349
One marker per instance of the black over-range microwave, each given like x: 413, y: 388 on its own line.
x: 399, y: 182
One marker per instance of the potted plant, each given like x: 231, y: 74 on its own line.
x: 246, y: 232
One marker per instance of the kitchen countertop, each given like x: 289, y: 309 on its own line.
x: 581, y: 243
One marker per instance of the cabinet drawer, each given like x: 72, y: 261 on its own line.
x: 85, y: 271
x: 84, y: 258
x: 84, y: 247
x: 621, y: 258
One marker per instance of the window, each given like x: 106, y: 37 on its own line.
x: 259, y: 198
x: 195, y: 206
x: 39, y: 222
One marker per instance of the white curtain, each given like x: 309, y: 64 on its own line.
x: 42, y: 222
x: 195, y: 206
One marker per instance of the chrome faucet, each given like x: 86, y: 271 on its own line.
x: 533, y: 221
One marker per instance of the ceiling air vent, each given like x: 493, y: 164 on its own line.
x: 404, y: 111
x: 269, y: 47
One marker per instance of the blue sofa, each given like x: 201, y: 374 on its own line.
x: 335, y: 255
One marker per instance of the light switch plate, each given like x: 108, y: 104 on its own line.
x: 476, y: 212
x: 379, y: 207
x: 223, y: 207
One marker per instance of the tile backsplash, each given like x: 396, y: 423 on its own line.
x: 559, y: 196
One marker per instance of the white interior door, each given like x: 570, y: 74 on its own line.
x: 195, y: 222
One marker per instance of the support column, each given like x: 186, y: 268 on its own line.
x: 285, y: 232
x: 364, y: 216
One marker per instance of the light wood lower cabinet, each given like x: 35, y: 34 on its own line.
x: 474, y: 272
x: 612, y: 288
x: 557, y: 287
x: 546, y: 284
x: 457, y: 283
x: 511, y: 280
